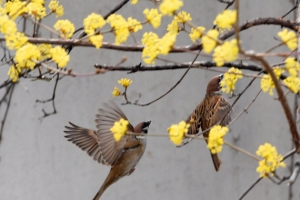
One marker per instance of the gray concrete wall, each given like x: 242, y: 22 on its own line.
x: 37, y: 162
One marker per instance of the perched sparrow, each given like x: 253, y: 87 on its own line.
x: 121, y: 156
x: 209, y: 112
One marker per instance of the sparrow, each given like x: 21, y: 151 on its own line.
x: 121, y: 156
x: 211, y: 110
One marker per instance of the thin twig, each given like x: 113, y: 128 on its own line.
x: 10, y: 92
x: 52, y: 99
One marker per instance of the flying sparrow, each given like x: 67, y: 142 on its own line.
x: 121, y: 156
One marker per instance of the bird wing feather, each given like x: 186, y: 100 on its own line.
x: 111, y: 149
x: 85, y: 139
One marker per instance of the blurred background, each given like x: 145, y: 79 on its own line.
x: 37, y: 162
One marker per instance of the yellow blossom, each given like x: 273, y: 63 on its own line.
x: 7, y: 26
x: 27, y: 55
x: 134, y: 1
x: 271, y: 160
x: 168, y: 7
x: 292, y: 66
x: 17, y: 8
x: 14, y: 72
x: 120, y: 27
x: 7, y: 6
x: 266, y: 82
x: 226, y: 52
x: 149, y: 38
x: 134, y: 25
x: 166, y: 43
x: 116, y: 92
x: 230, y: 78
x: 210, y: 40
x: 293, y: 83
x: 196, y: 33
x: 289, y: 38
x: 119, y: 129
x: 93, y: 22
x: 151, y: 50
x: 60, y: 56
x: 45, y: 51
x: 56, y: 8
x: 155, y: 46
x: 177, y: 132
x: 173, y: 27
x: 125, y: 82
x: 15, y: 40
x: 65, y: 27
x: 182, y: 17
x: 215, y: 138
x: 153, y: 17
x: 225, y: 19
x: 36, y: 10
x: 96, y: 40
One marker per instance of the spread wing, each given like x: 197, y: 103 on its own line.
x: 85, y: 139
x: 110, y: 149
x: 219, y: 109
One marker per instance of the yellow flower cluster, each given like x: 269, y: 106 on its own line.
x: 16, y: 8
x: 45, y: 51
x: 153, y: 17
x: 293, y: 83
x: 34, y: 8
x: 173, y: 27
x: 196, y: 33
x: 177, y: 132
x: 56, y: 8
x: 226, y: 52
x: 210, y: 40
x: 168, y: 7
x: 289, y: 38
x: 15, y: 40
x: 60, y: 56
x: 125, y: 82
x: 14, y: 72
x: 119, y: 25
x: 292, y: 66
x: 27, y: 55
x: 96, y: 40
x: 65, y: 28
x: 134, y: 1
x: 155, y: 46
x: 116, y: 92
x: 271, y: 160
x: 266, y: 82
x: 8, y: 27
x: 119, y: 129
x: 215, y: 138
x: 134, y: 25
x: 92, y: 22
x: 226, y: 19
x: 230, y: 78
x: 182, y: 17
